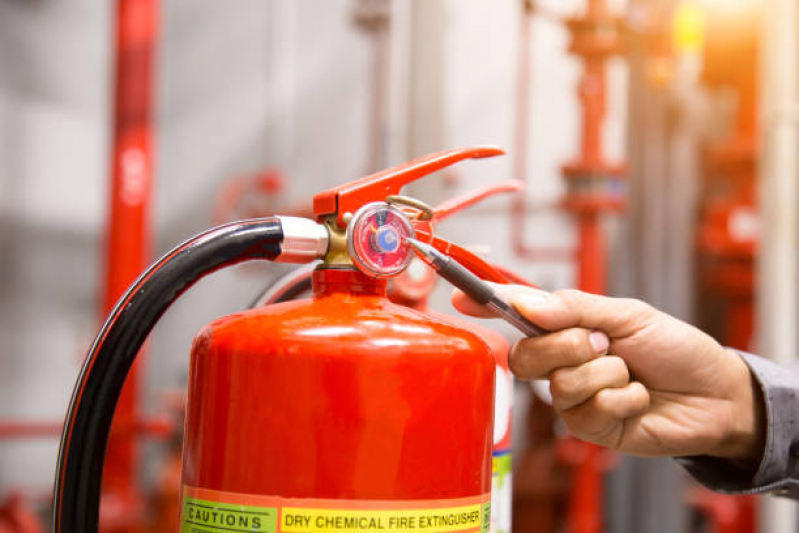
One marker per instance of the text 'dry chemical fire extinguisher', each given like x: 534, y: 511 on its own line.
x: 336, y: 413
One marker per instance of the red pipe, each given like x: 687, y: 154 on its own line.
x: 595, y: 37
x: 161, y: 428
x: 591, y: 255
x: 592, y: 99
x: 128, y: 238
x: 585, y: 499
x: 23, y: 430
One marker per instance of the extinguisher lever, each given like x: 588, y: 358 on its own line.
x: 349, y: 197
x: 459, y: 203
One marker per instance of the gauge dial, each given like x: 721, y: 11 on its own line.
x: 376, y: 240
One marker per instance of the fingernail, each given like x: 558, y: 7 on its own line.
x: 599, y: 341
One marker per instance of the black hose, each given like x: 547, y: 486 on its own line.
x: 88, y: 423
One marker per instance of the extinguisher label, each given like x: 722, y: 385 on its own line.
x: 209, y: 511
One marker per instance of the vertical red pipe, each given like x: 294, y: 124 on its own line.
x: 591, y: 255
x: 592, y: 99
x: 585, y: 503
x: 595, y: 37
x: 585, y: 500
x: 591, y: 249
x: 128, y: 238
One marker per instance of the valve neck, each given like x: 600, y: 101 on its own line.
x: 327, y: 281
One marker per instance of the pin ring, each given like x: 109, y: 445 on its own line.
x: 424, y: 211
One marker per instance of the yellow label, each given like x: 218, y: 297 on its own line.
x: 438, y: 520
x: 207, y: 511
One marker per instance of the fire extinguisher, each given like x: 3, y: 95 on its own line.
x: 412, y: 288
x: 337, y: 413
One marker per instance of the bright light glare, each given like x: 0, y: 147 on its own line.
x: 731, y: 5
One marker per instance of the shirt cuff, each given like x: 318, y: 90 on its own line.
x: 779, y: 467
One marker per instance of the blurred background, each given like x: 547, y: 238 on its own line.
x: 656, y: 138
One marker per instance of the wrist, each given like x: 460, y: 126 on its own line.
x: 745, y: 437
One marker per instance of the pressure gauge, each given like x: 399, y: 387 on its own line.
x: 376, y: 240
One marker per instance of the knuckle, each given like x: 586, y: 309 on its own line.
x: 514, y: 358
x: 587, y: 424
x: 577, y: 344
x: 567, y: 295
x: 519, y: 358
x: 636, y: 304
x: 643, y: 399
x: 603, y: 404
x: 617, y: 367
x: 637, y: 309
x: 560, y: 383
x: 602, y: 401
x: 573, y: 340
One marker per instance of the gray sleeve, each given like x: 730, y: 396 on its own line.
x: 779, y: 466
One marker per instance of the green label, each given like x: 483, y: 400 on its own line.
x: 501, y: 468
x: 486, y: 518
x: 201, y: 516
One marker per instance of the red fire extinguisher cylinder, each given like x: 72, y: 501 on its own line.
x: 343, y: 396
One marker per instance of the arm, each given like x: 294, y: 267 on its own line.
x: 626, y: 376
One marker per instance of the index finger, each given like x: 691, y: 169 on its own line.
x: 617, y: 317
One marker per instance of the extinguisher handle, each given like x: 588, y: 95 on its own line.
x: 349, y: 197
x: 459, y: 203
x: 88, y: 422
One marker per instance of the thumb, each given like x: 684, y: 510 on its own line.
x: 617, y: 317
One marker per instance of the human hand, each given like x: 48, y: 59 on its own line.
x: 627, y: 376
